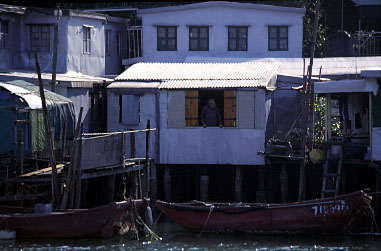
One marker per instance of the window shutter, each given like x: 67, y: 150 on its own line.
x: 191, y: 108
x: 230, y: 108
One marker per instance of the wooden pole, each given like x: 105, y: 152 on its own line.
x: 134, y: 178
x: 54, y: 68
x: 64, y: 140
x: 48, y: 136
x: 308, y: 99
x: 147, y: 165
x: 72, y: 158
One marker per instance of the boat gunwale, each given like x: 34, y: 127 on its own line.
x: 230, y: 208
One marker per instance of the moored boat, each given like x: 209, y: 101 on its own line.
x: 327, y: 215
x: 104, y: 221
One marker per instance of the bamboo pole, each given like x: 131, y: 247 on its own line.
x: 48, y: 136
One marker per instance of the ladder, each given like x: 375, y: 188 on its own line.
x: 332, y: 171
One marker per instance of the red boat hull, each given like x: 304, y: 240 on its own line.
x: 327, y: 215
x: 95, y: 222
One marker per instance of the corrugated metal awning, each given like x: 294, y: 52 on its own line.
x: 347, y: 85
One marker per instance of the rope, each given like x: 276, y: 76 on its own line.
x: 207, y: 219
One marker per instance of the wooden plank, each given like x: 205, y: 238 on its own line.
x: 230, y: 108
x: 44, y: 171
x: 191, y: 108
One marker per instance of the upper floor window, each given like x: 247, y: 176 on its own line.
x: 107, y: 42
x: 210, y: 108
x: 278, y: 38
x: 40, y: 38
x: 198, y: 38
x: 4, y: 34
x: 237, y: 38
x: 86, y: 39
x: 166, y: 38
x: 119, y: 43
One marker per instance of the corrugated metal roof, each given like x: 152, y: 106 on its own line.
x: 200, y: 84
x: 198, y: 71
x: 133, y: 85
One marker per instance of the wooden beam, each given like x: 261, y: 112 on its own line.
x: 48, y: 136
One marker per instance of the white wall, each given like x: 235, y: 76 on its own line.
x: 91, y: 64
x: 147, y: 109
x: 213, y: 145
x: 218, y: 18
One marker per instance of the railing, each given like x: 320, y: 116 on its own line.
x: 134, y: 42
x: 367, y: 44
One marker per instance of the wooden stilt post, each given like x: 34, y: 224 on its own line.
x: 204, y: 183
x: 69, y: 176
x: 153, y: 186
x: 261, y: 194
x: 48, y: 137
x: 167, y: 184
x: 283, y: 183
x: 238, y: 184
x: 78, y: 180
x: 110, y: 188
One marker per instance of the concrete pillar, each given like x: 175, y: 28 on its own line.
x: 238, y: 184
x: 204, y: 183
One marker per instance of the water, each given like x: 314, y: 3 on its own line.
x: 177, y: 238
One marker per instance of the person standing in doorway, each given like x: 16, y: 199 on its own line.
x: 210, y: 115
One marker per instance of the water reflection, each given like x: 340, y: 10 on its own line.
x: 177, y: 238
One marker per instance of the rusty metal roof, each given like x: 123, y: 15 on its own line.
x: 198, y: 71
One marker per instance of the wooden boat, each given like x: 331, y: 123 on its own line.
x: 104, y: 221
x: 328, y: 215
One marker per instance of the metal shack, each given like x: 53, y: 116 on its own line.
x: 172, y: 95
x: 20, y: 107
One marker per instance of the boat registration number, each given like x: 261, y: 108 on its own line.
x: 336, y: 206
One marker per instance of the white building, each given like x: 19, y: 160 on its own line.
x: 219, y: 29
x: 171, y: 96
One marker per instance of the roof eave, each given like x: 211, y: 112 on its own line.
x: 222, y: 4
